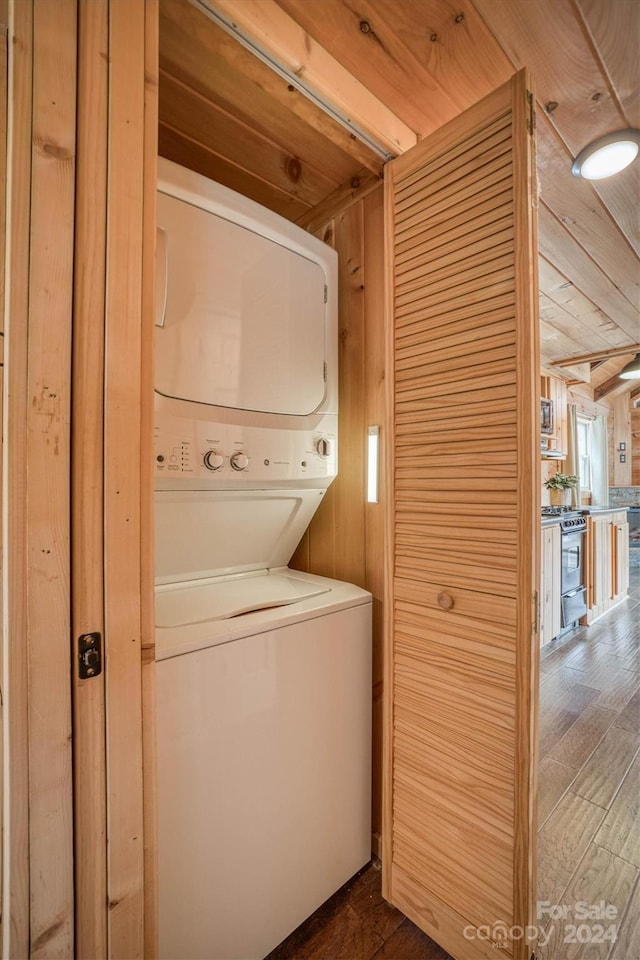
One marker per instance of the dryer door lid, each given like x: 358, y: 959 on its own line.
x: 242, y: 318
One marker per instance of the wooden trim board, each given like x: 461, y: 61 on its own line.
x: 147, y: 567
x: 87, y: 477
x: 125, y: 197
x: 15, y: 887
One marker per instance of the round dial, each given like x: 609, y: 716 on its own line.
x: 239, y: 461
x: 323, y: 446
x: 213, y: 460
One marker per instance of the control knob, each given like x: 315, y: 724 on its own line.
x: 239, y: 461
x: 323, y: 446
x: 213, y: 460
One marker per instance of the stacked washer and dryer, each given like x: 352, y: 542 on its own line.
x: 263, y: 672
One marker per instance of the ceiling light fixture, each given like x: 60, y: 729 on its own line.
x: 607, y: 155
x: 631, y: 370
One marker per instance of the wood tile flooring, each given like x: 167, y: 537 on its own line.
x: 589, y: 791
x: 589, y: 787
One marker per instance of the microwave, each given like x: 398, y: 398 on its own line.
x: 546, y: 416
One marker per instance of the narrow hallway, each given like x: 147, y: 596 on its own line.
x: 589, y: 785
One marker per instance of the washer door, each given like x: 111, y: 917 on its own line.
x: 203, y: 601
x: 241, y: 318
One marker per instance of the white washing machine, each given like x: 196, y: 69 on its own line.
x: 263, y: 673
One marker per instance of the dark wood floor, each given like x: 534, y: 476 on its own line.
x: 357, y: 924
x: 589, y: 841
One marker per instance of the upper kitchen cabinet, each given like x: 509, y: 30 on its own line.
x: 553, y: 414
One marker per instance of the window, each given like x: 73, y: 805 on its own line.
x: 584, y: 453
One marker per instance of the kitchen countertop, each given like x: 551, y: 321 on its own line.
x: 599, y: 510
x: 588, y: 511
x: 550, y: 521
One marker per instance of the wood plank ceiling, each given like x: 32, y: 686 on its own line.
x: 399, y: 69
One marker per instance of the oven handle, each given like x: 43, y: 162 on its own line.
x: 574, y: 593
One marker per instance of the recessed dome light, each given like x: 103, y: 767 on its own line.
x: 607, y: 155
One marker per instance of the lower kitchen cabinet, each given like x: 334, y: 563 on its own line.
x: 550, y: 584
x: 620, y: 557
x: 607, y: 552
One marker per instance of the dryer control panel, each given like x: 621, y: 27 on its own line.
x: 224, y: 456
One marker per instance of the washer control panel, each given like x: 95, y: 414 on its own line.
x: 227, y: 454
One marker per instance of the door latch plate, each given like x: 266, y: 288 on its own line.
x: 89, y: 655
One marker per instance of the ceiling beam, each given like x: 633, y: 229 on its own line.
x: 612, y: 385
x: 600, y: 355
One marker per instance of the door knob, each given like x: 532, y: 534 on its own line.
x: 446, y: 601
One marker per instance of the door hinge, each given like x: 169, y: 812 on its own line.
x: 326, y: 293
x: 89, y: 655
x: 531, y: 122
x: 324, y: 371
x: 536, y: 611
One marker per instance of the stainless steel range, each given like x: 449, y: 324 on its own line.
x: 573, y: 526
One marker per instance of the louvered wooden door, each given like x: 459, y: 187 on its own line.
x: 463, y: 526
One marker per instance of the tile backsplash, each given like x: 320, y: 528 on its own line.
x: 624, y: 496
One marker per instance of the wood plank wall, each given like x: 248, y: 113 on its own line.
x: 38, y: 900
x: 345, y: 538
x: 80, y: 257
x: 619, y: 431
x: 48, y: 462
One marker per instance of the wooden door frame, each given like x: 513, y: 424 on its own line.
x: 116, y: 913
x: 57, y: 243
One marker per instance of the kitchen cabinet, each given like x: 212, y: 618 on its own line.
x: 607, y: 555
x: 619, y: 556
x: 555, y: 390
x: 550, y: 605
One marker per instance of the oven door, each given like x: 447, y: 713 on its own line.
x: 572, y: 562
